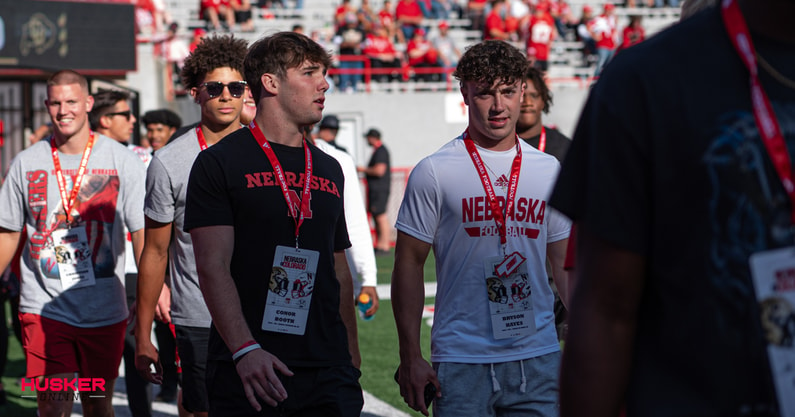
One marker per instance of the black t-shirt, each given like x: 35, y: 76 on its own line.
x: 557, y: 143
x: 379, y: 184
x: 232, y: 183
x: 667, y: 162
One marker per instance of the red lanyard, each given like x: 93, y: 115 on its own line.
x: 516, y: 166
x: 277, y: 169
x: 542, y: 141
x: 200, y: 135
x: 68, y: 201
x: 763, y: 110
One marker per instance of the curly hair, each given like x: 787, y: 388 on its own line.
x: 490, y: 61
x: 279, y: 52
x: 535, y: 76
x: 213, y: 52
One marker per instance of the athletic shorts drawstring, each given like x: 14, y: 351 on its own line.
x: 495, y: 385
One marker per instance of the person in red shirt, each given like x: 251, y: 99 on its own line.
x: 633, y: 34
x: 215, y: 10
x: 422, y: 54
x: 603, y: 29
x: 387, y: 19
x: 241, y: 9
x: 585, y: 36
x: 540, y: 34
x: 496, y: 27
x: 379, y: 48
x: 562, y: 16
x: 339, y: 15
x: 198, y: 35
x: 409, y: 17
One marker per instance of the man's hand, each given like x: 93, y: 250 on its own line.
x: 256, y: 370
x: 163, y: 309
x: 145, y: 356
x: 373, y: 296
x: 412, y: 378
x: 131, y: 317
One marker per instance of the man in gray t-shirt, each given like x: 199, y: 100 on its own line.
x: 213, y: 74
x: 72, y: 194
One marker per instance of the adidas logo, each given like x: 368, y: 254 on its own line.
x: 502, y: 181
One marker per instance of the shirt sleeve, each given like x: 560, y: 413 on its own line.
x: 559, y: 226
x: 12, y: 199
x: 207, y: 201
x: 381, y: 156
x: 160, y: 201
x: 606, y: 179
x: 135, y: 192
x: 419, y: 212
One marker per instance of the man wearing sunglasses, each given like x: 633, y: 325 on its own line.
x: 213, y: 74
x: 111, y: 116
x: 265, y: 212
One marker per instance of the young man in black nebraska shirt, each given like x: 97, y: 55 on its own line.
x: 284, y: 331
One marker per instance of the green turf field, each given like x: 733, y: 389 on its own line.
x: 15, y: 369
x: 379, y: 345
x: 377, y: 341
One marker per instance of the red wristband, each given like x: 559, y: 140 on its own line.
x: 244, y: 345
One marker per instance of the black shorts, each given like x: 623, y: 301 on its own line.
x: 328, y: 392
x: 192, y: 349
x: 376, y: 202
x: 541, y: 65
x: 242, y: 16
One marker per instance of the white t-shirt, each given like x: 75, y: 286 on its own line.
x: 361, y: 258
x: 445, y: 205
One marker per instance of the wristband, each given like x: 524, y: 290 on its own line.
x: 245, y: 349
x: 247, y: 344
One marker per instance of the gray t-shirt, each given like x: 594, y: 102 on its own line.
x: 166, y: 186
x: 111, y: 197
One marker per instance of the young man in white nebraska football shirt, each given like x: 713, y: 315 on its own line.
x: 480, y: 203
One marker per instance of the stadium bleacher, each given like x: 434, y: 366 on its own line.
x: 567, y: 62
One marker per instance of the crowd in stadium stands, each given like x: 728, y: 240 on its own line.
x: 401, y: 40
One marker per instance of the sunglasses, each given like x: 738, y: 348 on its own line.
x: 216, y: 88
x: 126, y: 114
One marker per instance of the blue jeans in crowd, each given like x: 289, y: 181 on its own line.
x: 349, y: 80
x: 604, y: 55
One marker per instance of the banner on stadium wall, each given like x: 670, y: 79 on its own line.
x: 455, y: 111
x: 61, y: 34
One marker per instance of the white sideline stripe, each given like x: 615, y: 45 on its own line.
x: 373, y: 407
